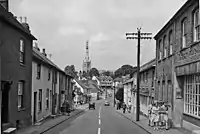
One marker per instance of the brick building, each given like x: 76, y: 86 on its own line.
x: 177, y: 58
x: 147, y: 79
x: 16, y: 70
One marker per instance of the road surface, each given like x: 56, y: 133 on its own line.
x: 102, y: 120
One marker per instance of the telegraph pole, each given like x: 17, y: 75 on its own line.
x: 138, y: 36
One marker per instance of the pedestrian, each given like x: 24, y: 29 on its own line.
x: 124, y: 107
x: 149, y: 114
x: 67, y: 108
x: 155, y: 111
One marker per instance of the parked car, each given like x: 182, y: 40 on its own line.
x: 92, y: 105
x: 106, y: 103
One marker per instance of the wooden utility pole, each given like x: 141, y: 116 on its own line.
x: 138, y: 36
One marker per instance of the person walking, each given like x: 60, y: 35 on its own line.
x: 124, y: 107
x: 67, y: 108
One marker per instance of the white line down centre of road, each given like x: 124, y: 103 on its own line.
x: 99, y: 121
x: 99, y: 131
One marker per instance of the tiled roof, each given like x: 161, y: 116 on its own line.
x: 37, y: 54
x: 148, y: 65
x: 9, y: 18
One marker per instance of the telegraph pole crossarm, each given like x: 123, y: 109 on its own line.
x: 138, y: 36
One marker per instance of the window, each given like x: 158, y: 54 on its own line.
x: 49, y: 74
x: 169, y: 84
x: 38, y: 71
x: 40, y: 101
x: 147, y: 77
x: 196, y: 28
x: 165, y: 47
x: 192, y: 95
x: 21, y: 54
x: 160, y: 50
x: 20, y: 98
x: 47, y: 99
x: 170, y: 42
x: 163, y: 91
x: 184, y: 33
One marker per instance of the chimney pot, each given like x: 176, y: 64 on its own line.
x: 20, y: 19
x: 44, y: 52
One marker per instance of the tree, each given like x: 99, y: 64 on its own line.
x: 124, y: 70
x: 71, y: 70
x: 93, y: 72
x: 120, y: 94
x: 107, y: 73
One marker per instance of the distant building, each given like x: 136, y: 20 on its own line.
x: 87, y: 61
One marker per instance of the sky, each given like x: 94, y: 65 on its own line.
x: 62, y: 27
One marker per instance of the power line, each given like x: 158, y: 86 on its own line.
x: 138, y: 36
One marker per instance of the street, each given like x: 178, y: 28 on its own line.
x: 102, y: 120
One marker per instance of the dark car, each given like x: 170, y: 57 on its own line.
x: 91, y: 105
x: 106, y: 103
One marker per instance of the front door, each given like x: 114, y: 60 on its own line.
x: 5, y: 86
x: 35, y: 108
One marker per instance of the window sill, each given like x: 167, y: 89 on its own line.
x: 22, y: 64
x: 21, y: 109
x: 194, y: 43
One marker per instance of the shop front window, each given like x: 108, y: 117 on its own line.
x: 192, y: 95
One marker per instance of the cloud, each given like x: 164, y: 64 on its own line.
x: 65, y: 31
x: 99, y: 38
x: 103, y: 22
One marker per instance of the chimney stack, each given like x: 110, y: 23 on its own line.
x: 4, y: 3
x: 36, y: 46
x: 23, y: 21
x: 43, y: 51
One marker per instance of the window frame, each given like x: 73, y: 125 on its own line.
x: 170, y: 42
x: 21, y: 51
x: 192, y: 95
x: 160, y: 49
x: 20, y: 95
x: 40, y: 100
x: 49, y: 74
x: 165, y: 46
x: 47, y: 98
x: 196, y: 27
x: 39, y: 70
x: 184, y: 33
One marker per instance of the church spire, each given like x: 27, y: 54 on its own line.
x: 87, y: 52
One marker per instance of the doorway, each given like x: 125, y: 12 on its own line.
x: 35, y: 108
x: 5, y: 86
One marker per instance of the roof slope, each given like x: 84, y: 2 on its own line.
x: 9, y: 18
x: 37, y: 54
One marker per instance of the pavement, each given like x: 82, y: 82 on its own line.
x: 143, y: 123
x: 102, y: 120
x: 51, y: 123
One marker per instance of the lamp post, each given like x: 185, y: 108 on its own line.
x: 138, y: 37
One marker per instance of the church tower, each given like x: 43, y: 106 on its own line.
x: 86, y: 61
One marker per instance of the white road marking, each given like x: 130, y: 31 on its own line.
x: 99, y: 131
x: 99, y: 121
x: 99, y: 112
